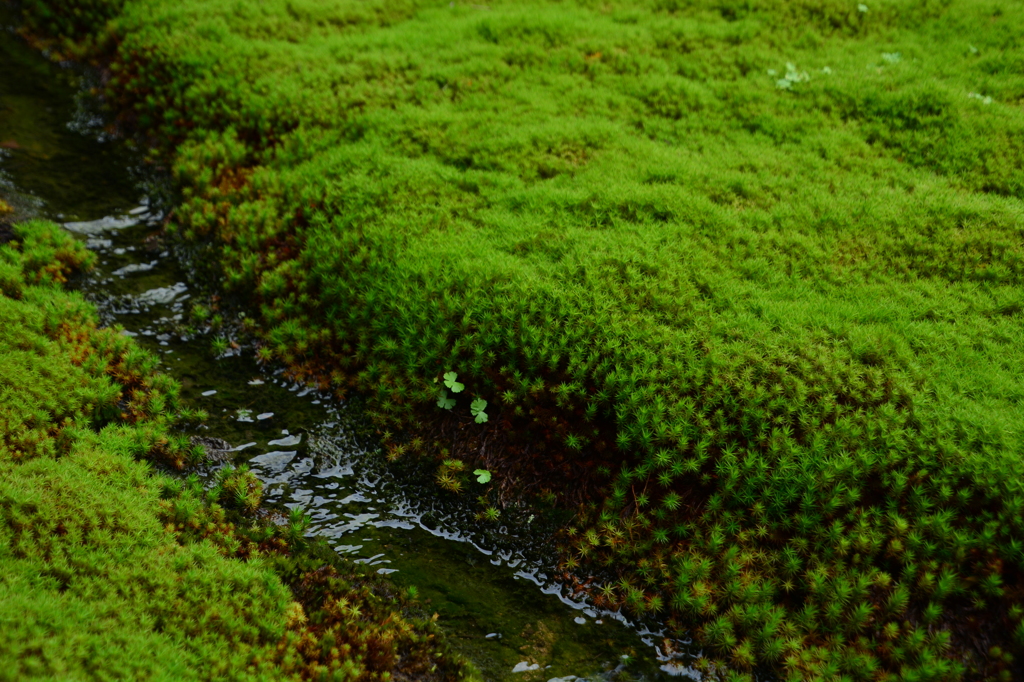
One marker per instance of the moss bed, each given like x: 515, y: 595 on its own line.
x: 113, y: 568
x: 748, y: 274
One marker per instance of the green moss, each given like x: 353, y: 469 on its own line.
x: 111, y: 570
x: 73, y: 18
x: 760, y: 260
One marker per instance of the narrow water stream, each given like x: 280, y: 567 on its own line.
x: 490, y: 583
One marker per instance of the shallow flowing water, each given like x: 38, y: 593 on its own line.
x: 490, y: 582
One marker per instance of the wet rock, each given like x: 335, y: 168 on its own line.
x: 217, y: 449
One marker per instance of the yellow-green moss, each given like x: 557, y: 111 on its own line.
x: 755, y: 268
x: 111, y: 570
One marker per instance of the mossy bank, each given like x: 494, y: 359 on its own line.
x: 748, y: 273
x: 113, y: 567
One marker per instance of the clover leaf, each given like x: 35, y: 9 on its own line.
x: 450, y: 382
x: 477, y: 408
x: 482, y: 475
x: 444, y: 401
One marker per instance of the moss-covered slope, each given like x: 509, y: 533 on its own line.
x: 754, y: 267
x: 109, y: 570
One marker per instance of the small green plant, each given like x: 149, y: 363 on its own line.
x: 219, y: 346
x: 450, y: 382
x: 477, y: 408
x: 200, y: 313
x: 792, y: 76
x: 448, y: 475
x: 482, y: 475
x: 444, y: 402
